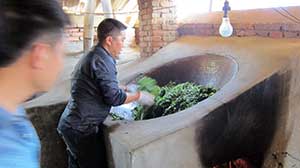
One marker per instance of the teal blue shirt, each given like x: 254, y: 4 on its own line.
x: 19, y: 143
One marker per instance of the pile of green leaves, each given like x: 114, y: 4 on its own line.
x: 170, y: 98
x: 149, y: 85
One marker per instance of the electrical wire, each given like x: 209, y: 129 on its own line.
x: 293, y: 16
x: 121, y: 13
x: 287, y: 17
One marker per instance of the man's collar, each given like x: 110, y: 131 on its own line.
x: 106, y: 52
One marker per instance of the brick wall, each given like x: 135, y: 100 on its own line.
x: 75, y: 34
x: 273, y: 30
x: 157, y: 25
x: 258, y: 22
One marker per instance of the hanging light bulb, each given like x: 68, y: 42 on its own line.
x: 226, y: 29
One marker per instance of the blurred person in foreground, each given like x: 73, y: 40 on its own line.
x: 31, y: 56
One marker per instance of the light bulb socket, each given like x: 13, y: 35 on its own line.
x: 226, y: 8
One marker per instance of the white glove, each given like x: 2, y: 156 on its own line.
x: 132, y: 88
x: 146, y: 99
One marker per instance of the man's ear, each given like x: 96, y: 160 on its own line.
x: 108, y: 40
x: 39, y: 54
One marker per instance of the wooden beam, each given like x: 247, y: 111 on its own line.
x: 88, y: 32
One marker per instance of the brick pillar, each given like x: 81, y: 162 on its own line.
x: 157, y: 25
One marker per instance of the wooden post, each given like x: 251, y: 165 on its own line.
x: 107, y: 8
x: 88, y: 32
x: 210, y: 5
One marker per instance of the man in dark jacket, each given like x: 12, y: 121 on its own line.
x: 94, y: 91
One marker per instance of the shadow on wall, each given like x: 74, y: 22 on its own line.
x: 243, y: 129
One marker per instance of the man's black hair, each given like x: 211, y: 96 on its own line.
x: 109, y: 27
x: 24, y: 21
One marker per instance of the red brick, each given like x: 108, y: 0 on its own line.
x: 143, y: 12
x: 157, y: 27
x: 203, y: 26
x: 72, y: 30
x: 146, y: 11
x: 143, y: 44
x: 73, y: 39
x: 216, y: 32
x: 291, y: 27
x: 242, y: 33
x: 157, y: 33
x: 243, y: 26
x: 156, y: 20
x: 169, y: 38
x: 75, y: 34
x: 146, y: 16
x: 147, y: 38
x: 291, y: 34
x: 188, y: 29
x: 143, y: 23
x: 250, y: 33
x: 169, y: 27
x: 149, y: 11
x: 172, y: 21
x: 216, y: 26
x: 268, y: 27
x: 186, y: 26
x: 156, y: 15
x: 170, y: 33
x: 262, y: 33
x: 276, y: 34
x: 147, y: 49
x: 146, y: 28
x: 143, y: 33
x: 204, y: 32
x: 156, y: 38
x: 157, y: 44
x: 146, y: 4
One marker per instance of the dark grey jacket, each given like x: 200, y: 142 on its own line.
x: 94, y: 90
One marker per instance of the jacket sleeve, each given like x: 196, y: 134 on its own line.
x: 106, y: 80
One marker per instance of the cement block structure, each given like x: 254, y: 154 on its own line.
x: 259, y: 99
